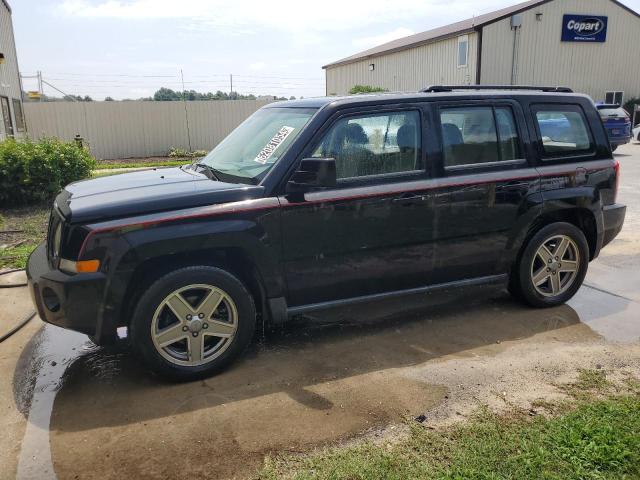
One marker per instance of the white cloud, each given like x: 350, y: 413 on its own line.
x: 257, y: 66
x: 372, y: 41
x: 287, y: 15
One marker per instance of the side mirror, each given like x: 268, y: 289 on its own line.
x: 313, y: 173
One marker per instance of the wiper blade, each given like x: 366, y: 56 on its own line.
x: 211, y: 172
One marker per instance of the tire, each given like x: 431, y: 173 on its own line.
x: 558, y: 280
x: 175, y: 342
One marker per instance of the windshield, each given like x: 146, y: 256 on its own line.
x: 257, y: 144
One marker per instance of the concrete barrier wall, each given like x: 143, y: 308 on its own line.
x: 138, y: 128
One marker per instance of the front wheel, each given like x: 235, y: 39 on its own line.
x: 193, y: 322
x: 552, y: 266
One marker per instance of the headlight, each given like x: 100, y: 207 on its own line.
x: 57, y: 240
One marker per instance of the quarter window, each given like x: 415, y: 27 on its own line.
x: 563, y: 130
x: 374, y: 145
x: 478, y: 135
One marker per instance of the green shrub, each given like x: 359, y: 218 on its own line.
x: 33, y: 172
x: 365, y: 89
x: 184, y: 153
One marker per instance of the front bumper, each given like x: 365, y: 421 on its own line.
x: 613, y: 216
x: 68, y: 301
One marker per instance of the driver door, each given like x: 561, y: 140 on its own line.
x: 370, y: 233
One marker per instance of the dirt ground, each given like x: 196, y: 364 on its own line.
x: 74, y: 411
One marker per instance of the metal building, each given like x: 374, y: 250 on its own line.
x: 12, y: 122
x: 588, y: 45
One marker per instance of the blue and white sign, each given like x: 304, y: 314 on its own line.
x: 584, y: 28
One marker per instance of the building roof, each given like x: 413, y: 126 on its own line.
x: 451, y: 30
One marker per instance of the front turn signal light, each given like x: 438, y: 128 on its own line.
x: 81, y: 266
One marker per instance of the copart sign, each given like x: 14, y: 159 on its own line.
x: 584, y: 28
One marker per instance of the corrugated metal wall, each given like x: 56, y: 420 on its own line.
x: 407, y: 70
x: 137, y: 128
x: 591, y: 68
x: 9, y: 77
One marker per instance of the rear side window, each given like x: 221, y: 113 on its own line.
x: 563, y: 130
x: 476, y: 135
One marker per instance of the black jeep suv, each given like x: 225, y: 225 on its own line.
x: 322, y: 202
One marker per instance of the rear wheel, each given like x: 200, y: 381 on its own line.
x: 552, y: 266
x: 193, y: 322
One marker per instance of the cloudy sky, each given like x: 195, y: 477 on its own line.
x: 130, y: 48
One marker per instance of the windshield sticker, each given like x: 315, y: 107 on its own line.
x: 273, y: 144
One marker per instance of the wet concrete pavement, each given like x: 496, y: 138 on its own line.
x: 72, y: 410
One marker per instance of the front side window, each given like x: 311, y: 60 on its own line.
x: 563, y: 130
x: 477, y: 135
x: 374, y: 144
x: 257, y: 144
x: 463, y: 50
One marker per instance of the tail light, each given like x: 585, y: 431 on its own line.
x: 616, y: 167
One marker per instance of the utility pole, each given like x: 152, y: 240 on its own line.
x: 40, y: 89
x: 186, y: 114
x: 231, y: 89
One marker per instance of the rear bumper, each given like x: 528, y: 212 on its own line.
x: 620, y: 140
x: 68, y: 301
x: 613, y: 217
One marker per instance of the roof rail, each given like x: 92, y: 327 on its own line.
x: 450, y: 88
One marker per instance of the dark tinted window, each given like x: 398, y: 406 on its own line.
x: 476, y: 135
x: 563, y: 130
x: 374, y: 144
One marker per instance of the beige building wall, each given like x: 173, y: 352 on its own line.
x: 138, y: 128
x: 542, y: 59
x: 9, y: 76
x: 407, y: 70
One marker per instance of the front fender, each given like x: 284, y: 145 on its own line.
x: 124, y: 246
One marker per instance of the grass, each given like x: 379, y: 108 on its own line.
x: 594, y: 439
x: 27, y: 227
x: 160, y: 163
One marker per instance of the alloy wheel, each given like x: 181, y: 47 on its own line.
x: 555, y: 266
x: 194, y: 325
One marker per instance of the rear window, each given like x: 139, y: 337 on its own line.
x: 563, y: 130
x: 613, y: 112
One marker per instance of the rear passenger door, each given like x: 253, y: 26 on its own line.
x: 485, y: 179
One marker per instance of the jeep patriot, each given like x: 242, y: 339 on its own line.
x: 326, y: 202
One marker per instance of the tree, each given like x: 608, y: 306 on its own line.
x: 365, y: 89
x: 108, y: 99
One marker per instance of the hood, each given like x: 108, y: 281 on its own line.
x: 146, y: 191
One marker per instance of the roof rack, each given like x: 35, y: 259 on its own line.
x: 450, y: 88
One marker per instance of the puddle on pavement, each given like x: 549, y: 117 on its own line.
x: 313, y: 382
